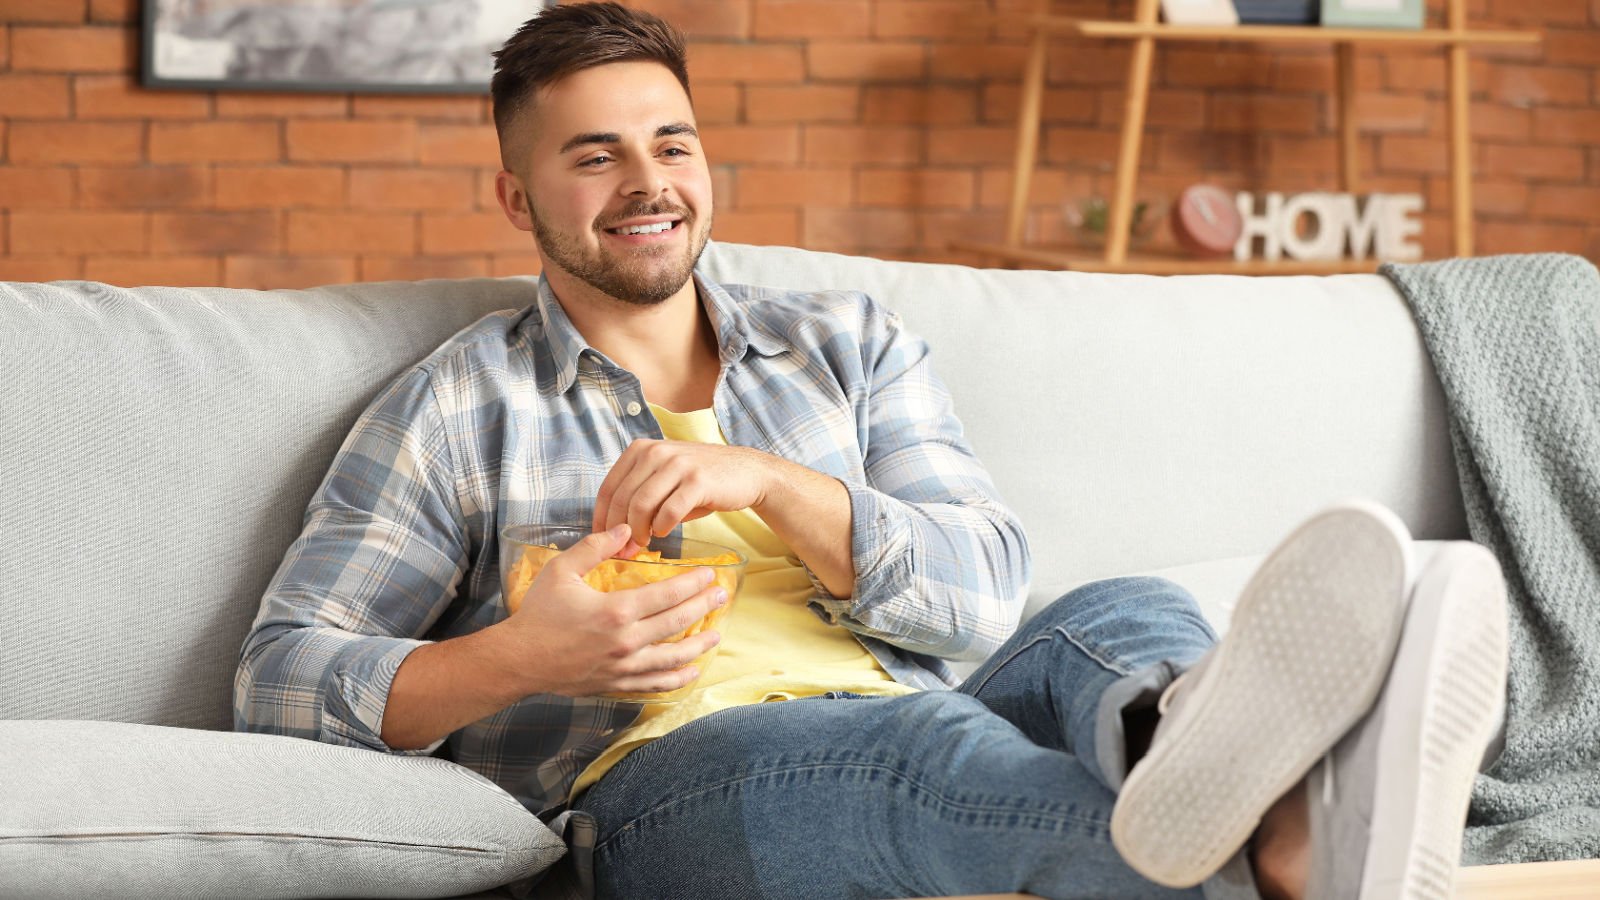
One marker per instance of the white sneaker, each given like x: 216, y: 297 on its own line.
x: 1306, y: 652
x: 1388, y: 805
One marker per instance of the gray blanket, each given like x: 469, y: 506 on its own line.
x: 1516, y: 343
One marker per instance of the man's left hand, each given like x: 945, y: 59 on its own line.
x: 657, y: 485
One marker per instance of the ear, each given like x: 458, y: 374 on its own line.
x: 513, y: 199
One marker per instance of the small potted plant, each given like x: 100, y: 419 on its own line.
x: 1091, y: 218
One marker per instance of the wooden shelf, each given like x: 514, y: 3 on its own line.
x: 1156, y: 263
x: 1099, y: 28
x: 1144, y: 32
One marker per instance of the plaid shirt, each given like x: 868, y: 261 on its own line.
x: 516, y: 419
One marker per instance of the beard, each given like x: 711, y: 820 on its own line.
x: 643, y: 277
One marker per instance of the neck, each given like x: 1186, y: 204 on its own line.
x: 670, y: 346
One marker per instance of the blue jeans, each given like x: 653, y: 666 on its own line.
x: 1004, y: 784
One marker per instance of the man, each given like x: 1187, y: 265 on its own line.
x: 822, y: 753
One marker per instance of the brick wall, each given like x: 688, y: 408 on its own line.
x: 883, y: 127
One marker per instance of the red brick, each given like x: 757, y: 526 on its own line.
x: 316, y: 231
x: 760, y: 188
x: 279, y: 187
x: 34, y: 96
x: 214, y: 232
x: 722, y: 186
x: 506, y: 265
x: 768, y: 227
x: 1577, y: 126
x: 1167, y: 108
x: 860, y: 230
x: 282, y: 106
x: 453, y: 109
x: 87, y: 49
x: 1205, y: 66
x: 866, y: 61
x: 363, y: 141
x: 467, y: 233
x: 40, y: 268
x: 120, y: 97
x: 874, y: 143
x: 1496, y: 196
x: 1533, y: 161
x: 933, y: 105
x: 985, y: 144
x: 64, y: 11
x: 114, y: 11
x: 967, y: 61
x: 917, y: 188
x: 1566, y: 203
x: 1499, y: 122
x: 939, y: 229
x: 1046, y: 188
x: 142, y: 187
x: 216, y: 141
x: 1527, y: 237
x: 1002, y: 103
x: 411, y: 188
x: 1265, y: 112
x: 457, y: 145
x: 35, y: 188
x: 1560, y: 47
x: 802, y: 103
x: 717, y: 104
x: 751, y: 143
x: 269, y: 272
x: 1542, y: 12
x: 1525, y: 85
x: 182, y: 271
x: 77, y: 232
x: 1097, y: 148
x: 931, y: 19
x: 747, y: 63
x: 1189, y: 151
x: 69, y: 142
x: 699, y: 19
x: 790, y: 19
x: 417, y: 268
x: 1411, y: 113
x: 1413, y: 72
x: 1404, y: 153
x: 1081, y: 64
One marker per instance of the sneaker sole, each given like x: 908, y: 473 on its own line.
x: 1432, y: 744
x: 1307, y: 650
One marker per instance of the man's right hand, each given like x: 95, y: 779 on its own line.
x: 570, y: 639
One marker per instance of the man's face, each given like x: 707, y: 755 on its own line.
x: 604, y: 152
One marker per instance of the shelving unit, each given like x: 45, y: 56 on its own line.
x: 1144, y: 31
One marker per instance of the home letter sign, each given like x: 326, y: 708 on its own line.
x: 1383, y: 228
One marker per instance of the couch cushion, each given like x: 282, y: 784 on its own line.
x: 1135, y: 421
x: 159, y: 449
x: 110, y: 809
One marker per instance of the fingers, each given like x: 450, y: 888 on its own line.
x: 665, y: 667
x: 683, y: 620
x: 576, y: 561
x: 661, y: 596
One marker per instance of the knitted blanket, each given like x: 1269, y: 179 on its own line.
x: 1516, y: 343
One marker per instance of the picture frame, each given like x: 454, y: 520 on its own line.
x: 1199, y: 12
x: 1373, y: 13
x: 328, y: 46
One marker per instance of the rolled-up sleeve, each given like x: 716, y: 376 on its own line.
x: 381, y: 554
x: 941, y: 564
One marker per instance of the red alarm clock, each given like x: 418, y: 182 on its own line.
x: 1205, y: 220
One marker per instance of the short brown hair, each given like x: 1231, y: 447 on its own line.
x: 566, y: 39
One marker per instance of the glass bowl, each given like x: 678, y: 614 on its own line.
x: 525, y: 549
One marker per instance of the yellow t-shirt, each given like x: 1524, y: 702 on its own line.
x: 773, y: 646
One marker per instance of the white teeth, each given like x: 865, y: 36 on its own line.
x: 644, y: 229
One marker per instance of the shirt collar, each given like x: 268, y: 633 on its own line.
x: 735, y: 333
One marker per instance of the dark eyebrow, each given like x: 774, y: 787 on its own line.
x: 611, y: 137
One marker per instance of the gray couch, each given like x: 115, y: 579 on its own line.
x: 160, y: 446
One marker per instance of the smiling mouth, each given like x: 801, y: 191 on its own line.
x: 657, y: 228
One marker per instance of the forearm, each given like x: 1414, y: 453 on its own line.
x: 442, y: 687
x: 810, y: 512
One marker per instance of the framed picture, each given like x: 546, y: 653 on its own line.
x: 1199, y: 12
x: 1372, y: 13
x: 390, y: 46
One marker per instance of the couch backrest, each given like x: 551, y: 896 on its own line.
x: 158, y: 448
x: 1136, y: 422
x: 159, y: 445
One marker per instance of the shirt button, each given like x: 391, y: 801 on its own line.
x: 634, y: 408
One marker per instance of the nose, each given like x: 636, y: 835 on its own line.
x: 644, y: 180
